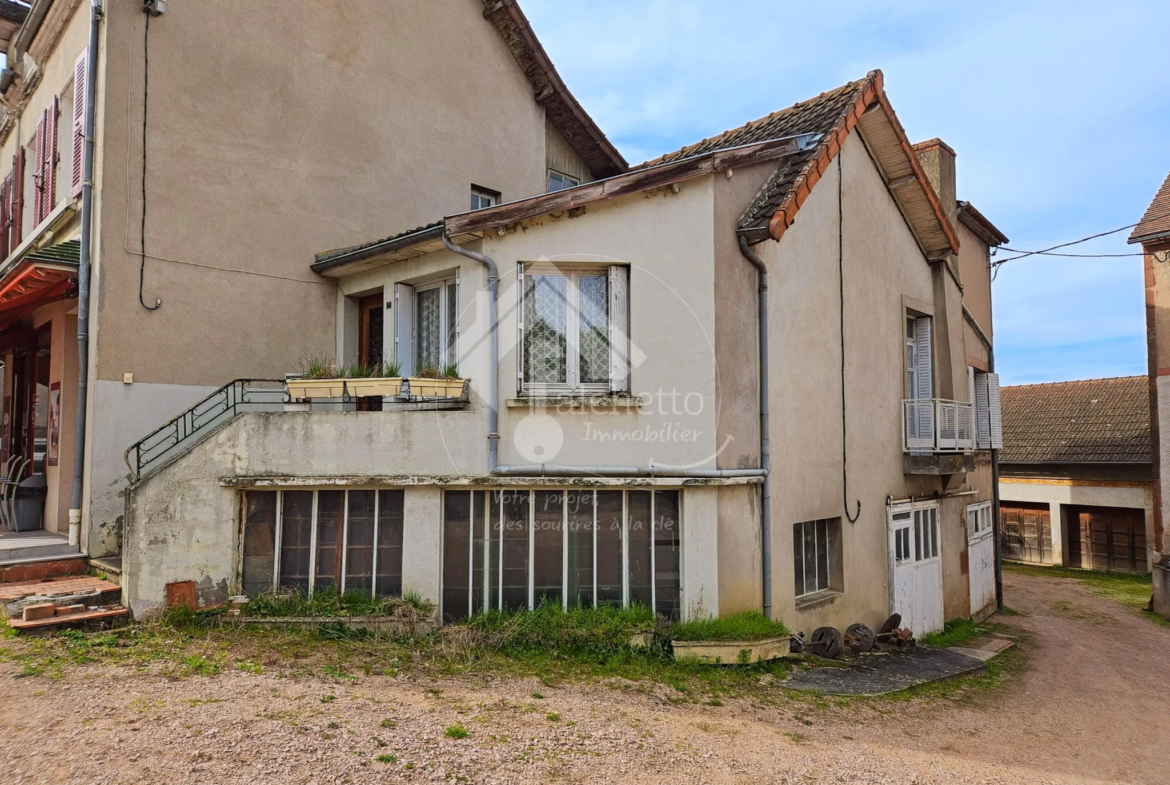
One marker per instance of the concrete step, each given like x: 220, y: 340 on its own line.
x: 108, y: 566
x: 17, y: 547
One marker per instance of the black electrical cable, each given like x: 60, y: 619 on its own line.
x: 841, y: 274
x: 1046, y: 251
x: 145, y: 89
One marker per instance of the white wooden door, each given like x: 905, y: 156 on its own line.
x: 916, y: 567
x: 981, y: 559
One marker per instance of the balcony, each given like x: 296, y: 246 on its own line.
x: 938, y: 436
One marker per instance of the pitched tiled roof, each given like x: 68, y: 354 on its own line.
x: 14, y: 11
x: 1156, y: 221
x: 1092, y: 421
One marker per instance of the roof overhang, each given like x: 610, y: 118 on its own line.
x: 465, y: 227
x: 36, y: 279
x: 982, y: 228
x: 549, y: 90
x: 891, y: 150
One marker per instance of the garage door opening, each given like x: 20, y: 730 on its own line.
x: 1106, y: 538
x: 1026, y: 532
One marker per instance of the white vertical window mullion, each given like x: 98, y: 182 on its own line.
x: 519, y: 327
x: 454, y: 350
x: 344, y: 539
x: 653, y: 570
x: 500, y: 557
x: 374, y: 560
x: 313, y: 545
x: 470, y: 554
x: 531, y: 548
x: 618, y: 325
x: 625, y: 549
x: 565, y: 548
x: 594, y: 549
x: 279, y: 539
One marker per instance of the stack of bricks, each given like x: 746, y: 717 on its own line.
x: 47, y: 610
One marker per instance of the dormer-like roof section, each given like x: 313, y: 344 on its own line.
x: 561, y: 108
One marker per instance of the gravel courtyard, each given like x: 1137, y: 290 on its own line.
x: 1086, y: 708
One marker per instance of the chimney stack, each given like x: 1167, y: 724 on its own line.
x: 938, y: 162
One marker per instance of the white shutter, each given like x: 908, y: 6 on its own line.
x: 925, y: 381
x: 987, y: 411
x: 404, y: 328
x: 970, y: 385
x: 924, y: 378
x: 993, y: 412
x: 519, y: 327
x: 619, y: 328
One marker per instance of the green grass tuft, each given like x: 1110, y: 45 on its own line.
x: 578, y: 633
x: 745, y: 626
x: 328, y: 602
x: 456, y: 731
x: 956, y: 632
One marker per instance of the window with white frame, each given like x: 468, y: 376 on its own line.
x: 313, y: 540
x: 925, y: 534
x: 978, y: 521
x: 573, y: 328
x: 517, y: 548
x: 482, y: 198
x: 426, y: 326
x: 559, y: 181
x: 816, y: 550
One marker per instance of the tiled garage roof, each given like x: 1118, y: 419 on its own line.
x: 1091, y: 421
x: 1155, y: 223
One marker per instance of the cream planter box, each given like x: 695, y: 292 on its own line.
x: 316, y: 388
x: 731, y: 652
x: 381, y: 386
x: 435, y: 388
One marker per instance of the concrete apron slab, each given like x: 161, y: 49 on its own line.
x: 880, y: 673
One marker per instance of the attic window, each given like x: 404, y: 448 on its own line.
x: 482, y: 198
x: 559, y: 181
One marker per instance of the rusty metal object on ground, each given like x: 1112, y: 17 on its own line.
x: 859, y: 638
x: 890, y: 624
x: 824, y: 642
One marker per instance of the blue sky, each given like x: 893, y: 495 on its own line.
x: 1059, y: 113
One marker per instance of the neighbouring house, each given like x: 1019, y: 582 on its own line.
x: 1075, y: 481
x: 230, y: 139
x: 604, y: 437
x: 1153, y: 234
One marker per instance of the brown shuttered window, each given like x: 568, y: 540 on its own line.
x: 78, y: 137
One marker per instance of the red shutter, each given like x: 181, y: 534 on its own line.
x: 39, y: 171
x: 17, y: 233
x: 51, y: 155
x: 79, y: 75
x: 6, y: 217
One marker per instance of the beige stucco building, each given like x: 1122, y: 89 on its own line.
x: 605, y: 444
x: 230, y: 139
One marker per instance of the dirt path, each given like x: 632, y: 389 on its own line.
x: 1084, y: 711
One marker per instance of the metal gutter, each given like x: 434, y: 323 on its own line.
x: 765, y: 443
x: 83, y: 277
x: 395, y: 243
x: 27, y: 32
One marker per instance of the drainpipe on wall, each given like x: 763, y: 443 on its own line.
x: 994, y: 467
x: 83, y: 277
x: 765, y: 447
x: 494, y: 347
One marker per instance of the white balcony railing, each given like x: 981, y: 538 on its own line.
x: 937, y: 425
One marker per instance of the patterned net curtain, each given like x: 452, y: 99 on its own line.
x: 545, y: 321
x: 430, y: 325
x: 594, y: 329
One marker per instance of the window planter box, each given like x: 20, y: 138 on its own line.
x: 379, y: 386
x: 315, y: 388
x: 731, y: 652
x: 419, y: 387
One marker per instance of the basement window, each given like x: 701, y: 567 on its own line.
x: 309, y: 540
x: 515, y: 549
x: 483, y: 198
x: 816, y: 551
